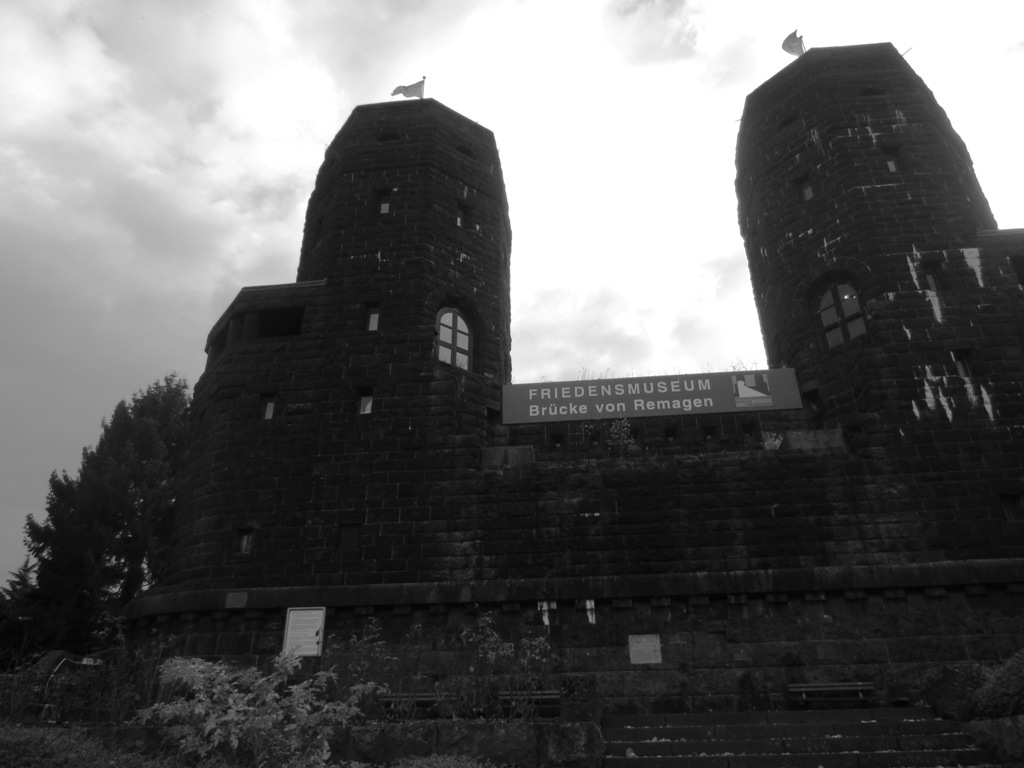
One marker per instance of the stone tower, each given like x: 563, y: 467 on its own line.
x: 861, y: 215
x: 382, y: 361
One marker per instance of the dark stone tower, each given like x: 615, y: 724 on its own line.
x: 409, y: 215
x: 379, y: 364
x: 861, y: 215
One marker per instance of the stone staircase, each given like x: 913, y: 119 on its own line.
x: 842, y: 738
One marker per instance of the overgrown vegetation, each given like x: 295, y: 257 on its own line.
x: 1002, y: 690
x: 971, y: 691
x: 60, y: 687
x: 490, y: 677
x: 238, y: 716
x: 214, y: 713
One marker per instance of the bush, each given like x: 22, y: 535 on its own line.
x: 242, y: 716
x: 1002, y: 691
x: 951, y: 690
x: 495, y: 678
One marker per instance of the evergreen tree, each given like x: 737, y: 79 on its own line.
x: 106, y: 532
x: 19, y: 612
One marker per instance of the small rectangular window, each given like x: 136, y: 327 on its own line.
x: 806, y: 190
x: 268, y: 323
x: 1017, y: 262
x: 268, y: 406
x: 373, y: 318
x: 891, y: 157
x: 461, y: 216
x: 384, y: 201
x: 1011, y: 503
x: 244, y: 540
x: 961, y: 361
x: 365, y: 401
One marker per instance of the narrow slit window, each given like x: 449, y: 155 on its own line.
x: 384, y: 201
x: 891, y: 158
x: 365, y: 401
x: 461, y: 216
x: 268, y: 407
x: 806, y: 188
x: 1012, y: 507
x: 373, y: 318
x: 961, y: 359
x: 244, y: 540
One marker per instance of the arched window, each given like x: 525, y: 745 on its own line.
x: 841, y: 315
x: 454, y: 338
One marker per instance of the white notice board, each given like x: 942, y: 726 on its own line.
x: 304, y: 631
x: 645, y: 649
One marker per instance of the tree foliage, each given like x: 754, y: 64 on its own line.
x: 107, y: 530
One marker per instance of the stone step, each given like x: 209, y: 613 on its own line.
x: 665, y: 748
x: 931, y: 726
x: 866, y: 738
x: 936, y: 759
x: 761, y: 718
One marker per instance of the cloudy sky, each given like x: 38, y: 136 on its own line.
x: 156, y: 156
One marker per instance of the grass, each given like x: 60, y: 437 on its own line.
x: 69, y: 747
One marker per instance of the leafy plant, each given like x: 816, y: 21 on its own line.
x: 496, y: 677
x: 242, y: 716
x: 1002, y: 691
x: 532, y: 655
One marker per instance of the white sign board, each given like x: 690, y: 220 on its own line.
x: 304, y: 631
x: 645, y: 649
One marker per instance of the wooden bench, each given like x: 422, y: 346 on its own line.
x: 411, y: 705
x: 544, y: 703
x: 807, y: 694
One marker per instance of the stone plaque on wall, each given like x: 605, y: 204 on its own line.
x: 645, y: 649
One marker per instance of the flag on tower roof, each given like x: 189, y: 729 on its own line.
x: 794, y: 44
x: 416, y: 89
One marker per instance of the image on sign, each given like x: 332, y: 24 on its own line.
x: 752, y: 390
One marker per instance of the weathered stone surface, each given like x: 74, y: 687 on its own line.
x: 383, y: 743
x: 498, y: 742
